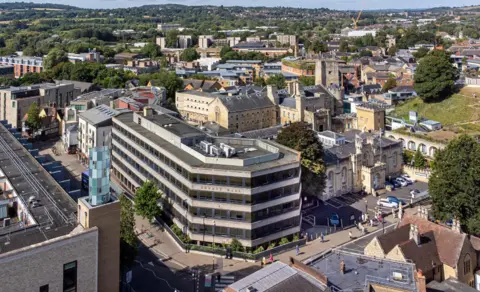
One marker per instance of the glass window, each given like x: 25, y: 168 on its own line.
x: 219, y: 197
x: 236, y: 181
x: 236, y: 198
x: 204, y: 178
x: 221, y: 213
x: 70, y: 277
x: 237, y: 233
x: 220, y: 180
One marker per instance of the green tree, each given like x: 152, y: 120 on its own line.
x: 366, y: 53
x: 343, y: 46
x: 189, y: 55
x: 319, y: 47
x: 435, y: 76
x: 224, y: 50
x: 454, y: 184
x: 307, y: 80
x: 259, y: 81
x: 33, y: 121
x: 128, y: 239
x: 392, y: 51
x: 146, y: 199
x: 301, y: 137
x: 236, y: 245
x: 171, y: 38
x: 54, y: 57
x: 419, y: 160
x: 389, y: 84
x: 278, y: 80
x: 420, y: 53
x: 151, y: 50
x: 407, y: 157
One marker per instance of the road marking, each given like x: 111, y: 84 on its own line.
x: 155, y: 275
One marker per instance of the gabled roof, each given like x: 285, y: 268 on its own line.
x: 246, y: 101
x: 449, y: 243
x: 99, y: 115
x: 391, y: 239
x: 425, y: 254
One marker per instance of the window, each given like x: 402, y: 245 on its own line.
x: 466, y: 265
x: 13, y: 104
x: 70, y: 277
x: 44, y: 288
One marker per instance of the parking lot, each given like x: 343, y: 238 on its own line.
x: 351, y: 207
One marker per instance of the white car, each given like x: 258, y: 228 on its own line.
x: 408, y: 178
x: 387, y: 203
x: 402, y: 181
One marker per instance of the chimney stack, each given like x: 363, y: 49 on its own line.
x: 414, y: 233
x: 271, y: 89
x: 456, y: 225
x: 421, y: 282
x: 147, y: 111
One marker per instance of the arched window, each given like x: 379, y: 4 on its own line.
x: 394, y: 159
x: 344, y: 175
x: 467, y: 264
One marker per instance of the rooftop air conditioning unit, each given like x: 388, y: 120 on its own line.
x: 214, y: 150
x: 205, y: 145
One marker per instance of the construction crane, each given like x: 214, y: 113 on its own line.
x: 355, y: 21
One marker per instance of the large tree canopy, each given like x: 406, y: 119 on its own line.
x: 435, y: 76
x: 455, y: 183
x: 301, y: 137
x: 128, y: 239
x: 146, y: 200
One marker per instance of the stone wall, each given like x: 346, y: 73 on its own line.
x: 419, y: 174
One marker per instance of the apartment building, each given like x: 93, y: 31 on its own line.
x: 184, y: 41
x: 94, y: 129
x: 286, y: 39
x: 23, y: 64
x: 214, y: 189
x: 15, y: 101
x: 44, y: 245
x: 204, y: 41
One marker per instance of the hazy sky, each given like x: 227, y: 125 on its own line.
x: 332, y: 4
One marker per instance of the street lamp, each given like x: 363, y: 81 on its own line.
x: 204, y: 227
x: 366, y: 206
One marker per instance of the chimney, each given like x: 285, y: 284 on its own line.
x: 421, y: 282
x: 414, y: 233
x: 147, y: 111
x: 297, y: 88
x: 456, y: 225
x: 271, y: 89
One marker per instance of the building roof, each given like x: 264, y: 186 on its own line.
x: 99, y: 115
x: 363, y: 270
x: 448, y: 242
x: 425, y: 254
x: 402, y: 88
x: 83, y: 86
x: 391, y: 239
x: 277, y: 277
x: 246, y: 100
x: 449, y: 285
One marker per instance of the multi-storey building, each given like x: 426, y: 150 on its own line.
x: 94, y: 129
x: 15, y: 101
x: 286, y: 39
x: 184, y: 41
x: 23, y: 64
x: 214, y: 188
x: 204, y: 41
x: 48, y: 241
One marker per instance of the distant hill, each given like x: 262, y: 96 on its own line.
x: 31, y: 5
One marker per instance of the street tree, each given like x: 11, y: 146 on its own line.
x: 128, y: 239
x: 301, y: 137
x: 454, y: 184
x: 392, y: 51
x: 33, y: 121
x: 151, y: 50
x: 389, y: 84
x: 420, y: 53
x: 146, y: 199
x: 435, y: 76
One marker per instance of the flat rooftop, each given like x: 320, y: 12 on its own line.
x: 361, y: 270
x: 185, y: 131
x: 56, y: 214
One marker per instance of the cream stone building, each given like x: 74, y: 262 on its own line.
x: 440, y: 252
x: 363, y: 162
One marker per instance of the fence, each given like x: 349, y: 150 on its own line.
x: 236, y: 254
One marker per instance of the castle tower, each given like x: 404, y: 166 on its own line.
x: 327, y: 73
x: 339, y: 94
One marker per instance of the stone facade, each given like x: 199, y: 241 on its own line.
x: 29, y: 268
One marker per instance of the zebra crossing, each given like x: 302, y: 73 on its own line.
x: 344, y: 200
x: 225, y: 281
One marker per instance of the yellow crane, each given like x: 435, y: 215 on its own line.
x: 355, y: 21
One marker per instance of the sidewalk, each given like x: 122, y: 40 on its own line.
x: 174, y: 257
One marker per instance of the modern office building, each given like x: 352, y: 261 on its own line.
x: 15, y: 101
x: 99, y: 175
x: 214, y: 188
x: 43, y: 244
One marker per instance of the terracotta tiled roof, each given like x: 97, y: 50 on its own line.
x: 449, y: 243
x: 475, y: 241
x: 423, y: 255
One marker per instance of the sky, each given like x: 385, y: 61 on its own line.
x: 332, y: 4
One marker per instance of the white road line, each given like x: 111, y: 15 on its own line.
x: 155, y: 275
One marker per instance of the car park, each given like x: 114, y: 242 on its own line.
x: 396, y: 200
x: 414, y: 193
x: 401, y: 181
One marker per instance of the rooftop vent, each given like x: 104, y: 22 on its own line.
x: 251, y: 289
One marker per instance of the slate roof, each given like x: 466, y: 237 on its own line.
x: 391, y: 239
x: 423, y: 255
x: 449, y: 285
x: 289, y: 102
x: 403, y: 89
x: 245, y: 101
x: 99, y: 115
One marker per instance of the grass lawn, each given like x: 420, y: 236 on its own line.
x: 459, y: 108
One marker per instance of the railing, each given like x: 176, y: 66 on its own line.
x: 222, y: 251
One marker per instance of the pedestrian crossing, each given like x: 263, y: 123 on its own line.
x: 225, y: 281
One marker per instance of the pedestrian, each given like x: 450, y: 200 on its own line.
x: 371, y: 222
x: 297, y: 249
x: 350, y: 234
x: 271, y: 258
x: 321, y: 236
x: 264, y: 261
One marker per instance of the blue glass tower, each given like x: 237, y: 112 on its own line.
x: 99, y: 175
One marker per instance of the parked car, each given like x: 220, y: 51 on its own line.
x: 414, y: 193
x: 401, y: 181
x: 396, y: 200
x: 334, y: 219
x: 396, y: 184
x: 387, y: 203
x: 408, y: 178
x: 389, y: 185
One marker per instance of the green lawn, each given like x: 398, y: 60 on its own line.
x: 456, y: 109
